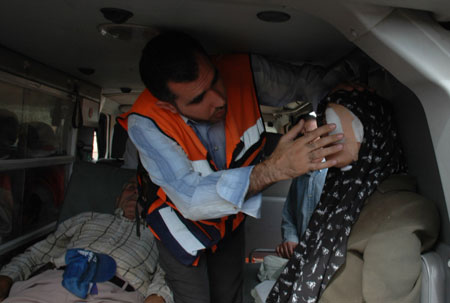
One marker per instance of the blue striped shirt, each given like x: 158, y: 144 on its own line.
x: 303, y: 197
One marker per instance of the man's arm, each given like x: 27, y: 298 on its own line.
x: 289, y: 230
x: 293, y: 157
x: 197, y: 196
x: 158, y: 290
x: 40, y: 253
x: 223, y: 193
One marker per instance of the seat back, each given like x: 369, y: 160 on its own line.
x: 433, y: 281
x: 93, y: 187
x: 119, y: 141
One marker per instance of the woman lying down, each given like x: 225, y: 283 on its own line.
x: 365, y: 237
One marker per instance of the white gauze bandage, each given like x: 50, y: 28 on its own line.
x: 357, y: 126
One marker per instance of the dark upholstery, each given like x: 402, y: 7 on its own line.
x: 250, y: 280
x: 102, y: 135
x: 119, y: 141
x: 93, y: 187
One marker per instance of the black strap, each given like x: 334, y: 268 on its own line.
x: 147, y: 193
x: 119, y: 282
x: 115, y: 280
x: 138, y: 220
x: 77, y: 116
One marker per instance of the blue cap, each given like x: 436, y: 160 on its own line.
x: 84, y: 268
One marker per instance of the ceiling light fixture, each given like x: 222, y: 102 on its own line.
x: 273, y: 16
x: 125, y: 90
x: 116, y: 15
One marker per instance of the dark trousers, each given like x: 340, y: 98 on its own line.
x: 218, y: 278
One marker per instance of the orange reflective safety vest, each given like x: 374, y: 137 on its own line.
x: 245, y: 138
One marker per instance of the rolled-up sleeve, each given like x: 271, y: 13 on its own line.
x: 290, y: 213
x: 197, y: 197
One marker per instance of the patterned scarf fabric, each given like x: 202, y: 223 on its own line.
x: 322, y: 249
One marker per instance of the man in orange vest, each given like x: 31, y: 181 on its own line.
x: 199, y: 132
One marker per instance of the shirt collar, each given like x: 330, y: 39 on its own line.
x: 119, y: 213
x: 185, y: 119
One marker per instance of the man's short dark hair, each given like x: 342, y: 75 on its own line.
x: 170, y: 56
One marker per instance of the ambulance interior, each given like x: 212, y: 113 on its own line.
x: 69, y: 68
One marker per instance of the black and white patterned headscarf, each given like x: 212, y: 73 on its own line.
x: 322, y: 248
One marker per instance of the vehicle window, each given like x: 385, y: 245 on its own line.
x: 42, y: 123
x: 30, y: 199
x: 35, y: 159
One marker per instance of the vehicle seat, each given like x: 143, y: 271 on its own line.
x: 433, y: 281
x: 119, y: 141
x: 433, y: 278
x: 93, y: 187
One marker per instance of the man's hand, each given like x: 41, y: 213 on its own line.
x: 294, y: 157
x: 286, y: 249
x: 154, y: 299
x: 5, y: 286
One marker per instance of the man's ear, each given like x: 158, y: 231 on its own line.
x: 167, y: 106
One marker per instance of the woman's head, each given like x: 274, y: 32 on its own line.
x: 353, y: 130
x: 367, y: 121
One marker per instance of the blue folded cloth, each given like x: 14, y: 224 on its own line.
x: 84, y: 268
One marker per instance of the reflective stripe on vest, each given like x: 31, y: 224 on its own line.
x: 250, y: 137
x: 180, y: 231
x: 244, y: 130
